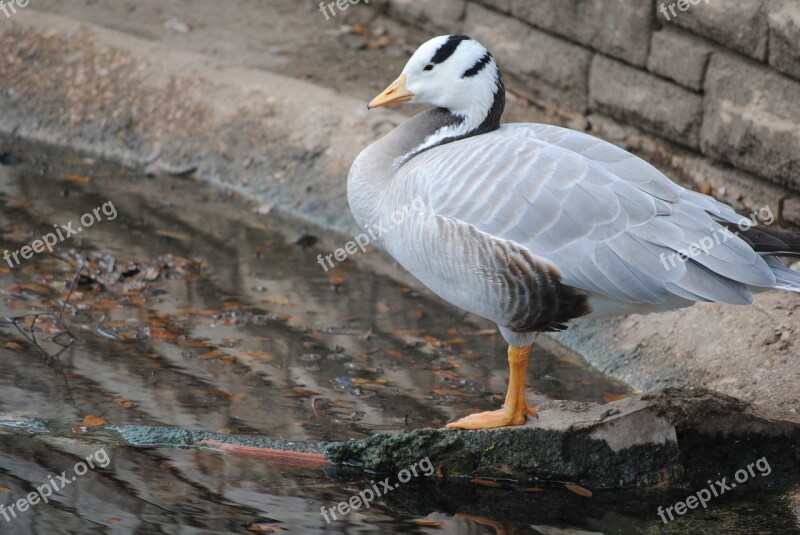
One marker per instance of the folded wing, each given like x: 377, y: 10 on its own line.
x: 612, y: 223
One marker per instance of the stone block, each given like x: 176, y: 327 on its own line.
x: 646, y: 101
x: 784, y: 36
x: 533, y: 56
x: 434, y: 15
x: 740, y: 25
x: 501, y: 5
x: 620, y: 28
x: 752, y: 119
x: 791, y: 210
x: 680, y: 56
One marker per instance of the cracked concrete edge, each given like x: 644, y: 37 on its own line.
x: 115, y: 96
x: 667, y: 439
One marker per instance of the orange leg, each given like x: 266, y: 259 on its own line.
x: 515, y: 409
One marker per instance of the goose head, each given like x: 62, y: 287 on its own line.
x: 455, y: 73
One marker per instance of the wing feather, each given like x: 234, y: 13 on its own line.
x: 604, y: 217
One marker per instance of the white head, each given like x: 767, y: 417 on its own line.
x: 453, y: 72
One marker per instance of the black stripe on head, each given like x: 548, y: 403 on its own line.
x: 447, y: 49
x: 478, y: 67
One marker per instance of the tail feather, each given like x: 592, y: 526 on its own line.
x: 768, y: 241
x: 786, y: 279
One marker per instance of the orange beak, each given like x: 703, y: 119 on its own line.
x: 394, y: 94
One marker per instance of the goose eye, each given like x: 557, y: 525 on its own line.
x: 428, y: 67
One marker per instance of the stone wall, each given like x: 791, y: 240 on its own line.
x: 717, y: 78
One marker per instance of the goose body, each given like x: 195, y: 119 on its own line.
x: 532, y: 225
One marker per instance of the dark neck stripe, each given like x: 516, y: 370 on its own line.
x: 447, y: 49
x: 478, y: 67
x: 447, y: 118
x: 492, y: 120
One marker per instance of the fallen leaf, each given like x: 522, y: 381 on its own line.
x: 366, y: 335
x: 90, y: 420
x: 380, y: 42
x: 361, y: 381
x: 76, y: 179
x: 534, y: 489
x: 124, y: 403
x: 265, y: 528
x: 14, y: 345
x: 16, y: 202
x: 433, y: 341
x: 211, y: 355
x: 486, y: 482
x: 608, y: 398
x: 195, y: 343
x: 577, y: 489
x: 4, y: 490
x: 429, y: 523
x: 260, y: 355
x: 280, y: 300
x: 161, y: 334
x: 301, y: 393
x: 405, y: 332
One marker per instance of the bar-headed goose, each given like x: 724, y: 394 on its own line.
x: 532, y: 225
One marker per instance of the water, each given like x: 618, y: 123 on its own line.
x: 193, y: 311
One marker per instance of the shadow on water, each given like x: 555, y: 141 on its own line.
x: 191, y: 310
